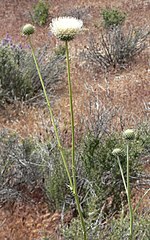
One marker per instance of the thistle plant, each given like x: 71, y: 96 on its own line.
x: 27, y: 30
x: 65, y: 29
x: 128, y: 135
x: 117, y: 152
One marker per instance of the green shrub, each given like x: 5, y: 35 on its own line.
x: 34, y: 163
x: 13, y: 84
x: 113, y: 17
x: 119, y: 229
x: 31, y: 164
x: 52, y: 68
x: 40, y: 12
x: 115, y: 229
x: 19, y: 166
x: 56, y: 181
x: 18, y: 75
x: 101, y: 168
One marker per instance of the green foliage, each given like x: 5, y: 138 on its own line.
x: 13, y: 84
x: 31, y: 163
x: 119, y: 229
x: 40, y: 12
x: 18, y: 75
x: 35, y: 163
x: 113, y: 17
x: 17, y: 161
x: 56, y: 181
x: 101, y: 167
x: 73, y: 232
x: 115, y: 229
x: 52, y: 67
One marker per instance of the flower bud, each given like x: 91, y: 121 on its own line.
x: 28, y: 29
x: 117, y: 152
x: 129, y: 134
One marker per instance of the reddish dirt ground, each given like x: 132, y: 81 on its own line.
x: 128, y: 89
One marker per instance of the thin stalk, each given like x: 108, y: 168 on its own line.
x: 73, y: 146
x: 51, y: 114
x: 72, y: 113
x: 129, y: 195
x: 122, y: 174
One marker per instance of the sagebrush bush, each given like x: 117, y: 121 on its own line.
x: 13, y: 84
x: 40, y: 12
x: 113, y: 17
x: 18, y: 75
x: 116, y: 47
x: 52, y: 66
x: 19, y: 167
x: 29, y: 164
x: 80, y: 12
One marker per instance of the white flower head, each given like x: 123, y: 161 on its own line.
x: 66, y: 28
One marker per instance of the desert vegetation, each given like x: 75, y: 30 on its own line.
x: 74, y: 155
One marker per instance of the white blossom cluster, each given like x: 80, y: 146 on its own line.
x: 66, y: 28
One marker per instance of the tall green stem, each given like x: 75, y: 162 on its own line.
x: 122, y: 175
x: 73, y: 146
x: 51, y: 114
x: 71, y: 112
x: 129, y: 195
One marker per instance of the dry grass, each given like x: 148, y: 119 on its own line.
x: 27, y: 222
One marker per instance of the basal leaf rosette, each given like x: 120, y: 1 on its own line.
x: 66, y: 28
